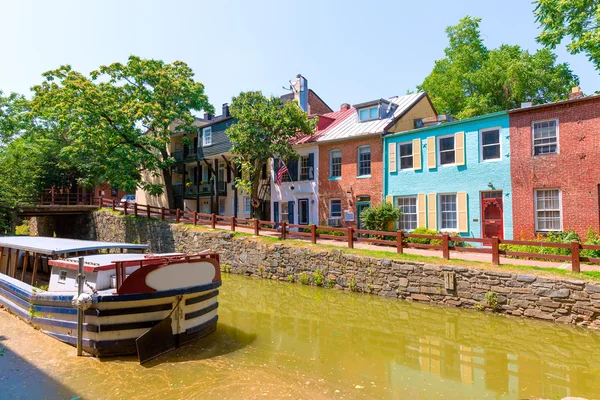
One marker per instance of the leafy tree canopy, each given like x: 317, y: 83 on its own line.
x: 117, y: 121
x: 473, y: 80
x: 265, y: 128
x: 579, y: 20
x: 381, y: 217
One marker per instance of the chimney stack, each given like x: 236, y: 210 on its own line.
x: 208, y: 116
x: 576, y: 93
x: 344, y: 107
x: 301, y: 92
x: 225, y: 110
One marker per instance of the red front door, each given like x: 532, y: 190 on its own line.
x: 491, y: 215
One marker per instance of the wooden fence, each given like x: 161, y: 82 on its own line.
x: 400, y: 240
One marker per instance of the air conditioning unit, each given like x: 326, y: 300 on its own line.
x: 334, y: 222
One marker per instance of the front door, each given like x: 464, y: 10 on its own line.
x: 491, y: 215
x: 360, y: 206
x: 303, y: 214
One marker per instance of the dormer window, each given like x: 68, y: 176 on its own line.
x: 206, y: 137
x: 369, y: 113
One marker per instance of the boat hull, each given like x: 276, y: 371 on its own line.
x: 114, y: 322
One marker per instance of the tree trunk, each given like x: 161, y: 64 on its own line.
x: 167, y: 177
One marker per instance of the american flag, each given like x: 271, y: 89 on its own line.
x: 282, y: 171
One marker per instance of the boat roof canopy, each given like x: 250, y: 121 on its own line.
x: 56, y: 246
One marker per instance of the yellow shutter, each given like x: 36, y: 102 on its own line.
x: 431, y: 163
x: 459, y: 143
x: 417, y: 154
x: 392, y: 156
x: 463, y: 222
x: 432, y: 211
x: 422, y: 210
x: 389, y: 199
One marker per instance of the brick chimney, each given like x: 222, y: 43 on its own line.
x: 225, y: 112
x: 344, y: 107
x: 576, y: 93
x: 208, y: 116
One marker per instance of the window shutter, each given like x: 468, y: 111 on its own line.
x: 276, y: 164
x: 459, y: 140
x: 417, y: 154
x: 463, y: 222
x: 392, y: 157
x: 291, y: 212
x: 422, y: 209
x: 293, y: 169
x: 311, y: 166
x: 432, y: 211
x: 200, y: 173
x: 389, y: 199
x: 228, y: 173
x: 431, y: 163
x: 276, y: 211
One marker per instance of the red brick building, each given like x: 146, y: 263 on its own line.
x: 350, y: 155
x: 555, y: 166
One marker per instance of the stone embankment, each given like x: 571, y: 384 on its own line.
x: 561, y: 300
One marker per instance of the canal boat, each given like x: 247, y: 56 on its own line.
x: 132, y: 302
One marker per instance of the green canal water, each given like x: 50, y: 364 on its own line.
x: 280, y: 340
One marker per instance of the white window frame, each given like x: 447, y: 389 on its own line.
x: 358, y: 174
x: 207, y: 137
x: 247, y: 205
x: 301, y: 160
x: 307, y: 211
x: 330, y: 209
x: 439, y: 150
x: 439, y: 212
x: 535, y: 208
x: 331, y: 176
x: 368, y: 109
x: 281, y: 213
x: 412, y: 153
x: 481, y: 132
x: 415, y: 198
x: 533, y: 137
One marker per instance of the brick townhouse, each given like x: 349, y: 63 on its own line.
x: 555, y: 166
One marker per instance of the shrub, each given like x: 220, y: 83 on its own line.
x: 318, y: 277
x: 291, y: 278
x: 592, y: 238
x: 551, y: 237
x: 304, y: 278
x: 352, y: 284
x: 325, y: 232
x: 23, y: 229
x: 330, y: 282
x: 424, y: 231
x: 381, y: 217
x: 491, y: 300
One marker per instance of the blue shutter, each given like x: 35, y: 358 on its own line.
x: 291, y: 211
x: 311, y: 166
x: 293, y: 168
x: 276, y: 164
x: 276, y: 211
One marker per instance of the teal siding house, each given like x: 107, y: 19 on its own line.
x: 452, y: 177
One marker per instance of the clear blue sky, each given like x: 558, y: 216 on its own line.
x: 350, y: 51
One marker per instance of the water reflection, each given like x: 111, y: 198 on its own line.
x: 394, y: 348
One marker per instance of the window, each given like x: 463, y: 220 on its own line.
x: 490, y: 144
x: 62, y: 278
x: 447, y: 153
x: 367, y: 114
x: 547, y: 210
x: 247, y: 206
x: 222, y: 205
x: 364, y: 160
x: 406, y: 156
x: 335, y: 164
x: 303, y: 217
x: 285, y: 212
x: 545, y: 137
x: 448, y: 212
x: 408, y: 219
x: 205, y: 172
x: 304, y: 168
x: 335, y: 208
x: 207, y: 136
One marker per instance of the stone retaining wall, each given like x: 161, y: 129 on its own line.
x: 561, y: 300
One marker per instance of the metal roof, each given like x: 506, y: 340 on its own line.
x: 350, y: 127
x: 55, y: 246
x: 336, y: 116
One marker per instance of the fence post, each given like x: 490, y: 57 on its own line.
x: 135, y: 209
x: 125, y: 207
x: 445, y: 246
x: 495, y: 251
x: 256, y: 227
x: 399, y: 242
x: 195, y: 218
x: 575, y: 267
x: 313, y: 233
x: 213, y: 220
x: 148, y: 211
x: 114, y: 205
x: 283, y: 230
x: 177, y: 215
x: 350, y: 237
x: 232, y: 224
x: 162, y: 213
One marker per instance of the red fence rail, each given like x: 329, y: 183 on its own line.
x: 400, y: 240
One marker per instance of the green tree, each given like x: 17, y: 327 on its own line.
x: 381, y: 217
x: 118, y: 121
x: 13, y: 120
x: 577, y: 19
x: 473, y: 80
x: 265, y: 128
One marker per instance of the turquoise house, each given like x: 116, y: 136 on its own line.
x: 452, y: 177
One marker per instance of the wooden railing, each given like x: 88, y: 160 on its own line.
x: 398, y: 240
